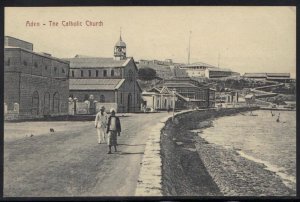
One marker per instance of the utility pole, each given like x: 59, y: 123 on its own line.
x: 219, y: 59
x: 189, y: 51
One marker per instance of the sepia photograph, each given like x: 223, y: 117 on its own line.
x: 146, y: 101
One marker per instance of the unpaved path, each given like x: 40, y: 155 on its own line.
x: 71, y: 163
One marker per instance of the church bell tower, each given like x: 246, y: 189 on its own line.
x: 120, y: 49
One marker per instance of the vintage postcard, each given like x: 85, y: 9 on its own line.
x: 149, y: 101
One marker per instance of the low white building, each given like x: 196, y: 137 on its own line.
x: 205, y: 70
x: 159, y: 99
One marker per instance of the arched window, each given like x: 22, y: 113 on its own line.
x: 35, y: 103
x: 102, y: 98
x: 56, y: 102
x: 46, y: 103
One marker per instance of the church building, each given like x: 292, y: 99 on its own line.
x: 110, y: 82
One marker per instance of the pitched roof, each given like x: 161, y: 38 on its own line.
x: 95, y: 84
x: 180, y: 85
x: 278, y: 74
x: 278, y: 78
x: 255, y: 75
x: 96, y: 62
x: 219, y: 69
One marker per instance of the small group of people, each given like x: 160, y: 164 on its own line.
x: 108, y: 128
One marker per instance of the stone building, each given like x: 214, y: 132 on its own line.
x: 201, y: 70
x: 35, y: 84
x: 190, y: 94
x: 164, y: 69
x: 159, y: 99
x: 106, y: 81
x: 279, y: 77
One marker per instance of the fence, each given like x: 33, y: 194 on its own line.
x: 11, y: 114
x: 107, y: 105
x: 85, y: 107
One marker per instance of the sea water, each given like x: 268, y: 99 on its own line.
x: 260, y: 138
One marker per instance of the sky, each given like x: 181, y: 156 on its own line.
x: 244, y: 39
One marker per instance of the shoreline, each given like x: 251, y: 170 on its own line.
x: 220, y: 171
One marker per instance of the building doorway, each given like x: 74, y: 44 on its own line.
x: 47, y: 104
x: 56, y: 103
x: 129, y: 102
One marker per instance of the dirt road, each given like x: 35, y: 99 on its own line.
x: 72, y: 163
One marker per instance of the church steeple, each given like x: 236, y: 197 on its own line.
x: 120, y: 49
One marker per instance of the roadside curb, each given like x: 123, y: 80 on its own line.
x: 150, y: 177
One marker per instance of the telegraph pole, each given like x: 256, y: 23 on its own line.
x: 219, y: 59
x: 189, y: 51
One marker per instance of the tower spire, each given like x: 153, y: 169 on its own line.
x: 120, y: 48
x: 120, y: 33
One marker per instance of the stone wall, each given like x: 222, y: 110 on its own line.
x: 184, y: 173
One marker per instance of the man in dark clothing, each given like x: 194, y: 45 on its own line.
x: 113, y: 129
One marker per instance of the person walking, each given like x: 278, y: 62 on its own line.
x: 100, y: 124
x: 113, y: 129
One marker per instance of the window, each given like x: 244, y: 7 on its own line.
x: 35, y: 64
x: 121, y: 95
x: 73, y: 74
x: 97, y: 73
x: 25, y: 63
x: 102, y: 98
x: 112, y: 73
x: 63, y: 70
x: 46, y: 67
x: 90, y: 73
x: 81, y: 72
x: 104, y: 73
x: 55, y: 70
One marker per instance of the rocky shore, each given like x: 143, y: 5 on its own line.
x: 193, y: 167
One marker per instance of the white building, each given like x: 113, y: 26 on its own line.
x: 205, y: 70
x: 159, y: 99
